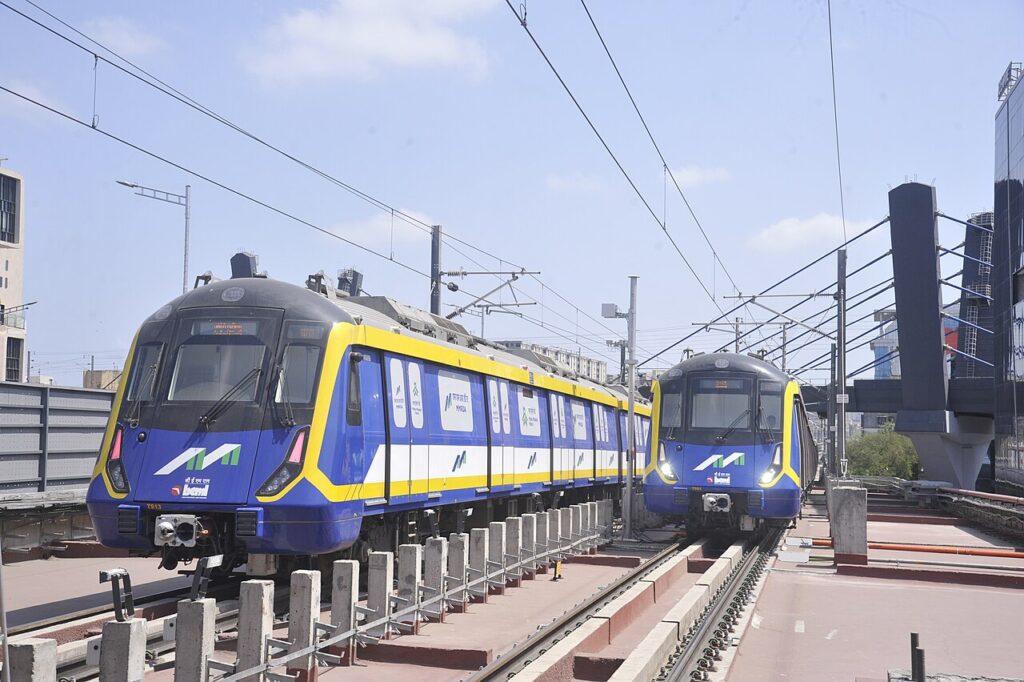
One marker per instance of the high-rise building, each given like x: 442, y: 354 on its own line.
x: 13, y: 346
x: 1008, y: 283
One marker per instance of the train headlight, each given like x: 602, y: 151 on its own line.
x: 774, y: 468
x: 289, y: 468
x: 115, y: 467
x: 663, y: 464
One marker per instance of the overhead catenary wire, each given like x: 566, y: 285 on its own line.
x: 146, y: 77
x: 615, y: 159
x: 777, y: 284
x: 243, y: 195
x: 835, y: 118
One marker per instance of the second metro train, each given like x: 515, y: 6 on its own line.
x: 732, y: 448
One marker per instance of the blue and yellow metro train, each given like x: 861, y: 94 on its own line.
x: 734, y: 447
x: 262, y: 417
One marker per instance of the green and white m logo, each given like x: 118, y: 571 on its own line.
x: 721, y: 461
x: 197, y: 459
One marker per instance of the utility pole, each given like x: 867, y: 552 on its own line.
x: 171, y: 198
x: 830, y: 434
x: 610, y: 310
x: 736, y: 330
x: 435, y: 269
x: 842, y: 398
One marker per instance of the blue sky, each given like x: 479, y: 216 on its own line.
x: 446, y: 111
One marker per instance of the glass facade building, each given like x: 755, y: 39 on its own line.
x: 1008, y: 284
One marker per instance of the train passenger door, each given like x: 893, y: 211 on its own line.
x: 582, y: 442
x: 362, y: 454
x: 500, y: 421
x: 565, y: 439
x: 419, y: 458
x: 400, y: 468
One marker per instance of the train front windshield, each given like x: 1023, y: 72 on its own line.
x: 238, y: 357
x: 715, y: 410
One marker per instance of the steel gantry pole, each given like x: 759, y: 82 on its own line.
x: 627, y: 509
x: 435, y: 269
x: 170, y: 198
x: 188, y: 220
x: 610, y: 310
x: 842, y: 398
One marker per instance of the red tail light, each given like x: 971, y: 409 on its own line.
x: 115, y: 466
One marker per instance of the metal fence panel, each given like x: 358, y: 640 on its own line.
x: 49, y: 435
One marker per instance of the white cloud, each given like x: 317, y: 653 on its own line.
x: 361, y: 38
x: 798, y: 233
x: 123, y: 36
x: 15, y: 107
x: 574, y: 182
x: 380, y: 231
x: 691, y: 176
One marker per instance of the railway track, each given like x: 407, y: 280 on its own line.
x: 696, y: 655
x: 520, y: 658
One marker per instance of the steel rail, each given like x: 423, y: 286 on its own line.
x: 522, y: 655
x: 695, y: 656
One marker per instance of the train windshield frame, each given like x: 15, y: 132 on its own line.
x: 720, y: 409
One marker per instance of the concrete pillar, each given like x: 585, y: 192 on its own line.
x: 609, y: 516
x: 565, y: 525
x: 585, y: 527
x: 529, y: 544
x: 458, y: 561
x: 543, y: 532
x: 122, y: 651
x: 35, y: 660
x: 410, y: 575
x: 479, y: 546
x: 193, y: 636
x: 255, y: 624
x: 497, y: 552
x: 554, y: 532
x: 378, y: 589
x: 576, y: 520
x: 344, y: 595
x: 848, y: 524
x: 435, y: 564
x: 514, y: 548
x: 303, y: 611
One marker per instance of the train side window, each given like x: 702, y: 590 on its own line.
x: 506, y: 420
x: 671, y: 410
x: 144, y: 370
x: 579, y: 422
x: 353, y: 403
x: 492, y: 395
x: 415, y: 395
x: 556, y: 431
x: 456, y: 401
x: 529, y: 412
x: 397, y: 391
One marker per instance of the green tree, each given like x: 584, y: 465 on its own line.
x: 885, y: 453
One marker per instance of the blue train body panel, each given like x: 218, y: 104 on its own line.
x: 377, y: 423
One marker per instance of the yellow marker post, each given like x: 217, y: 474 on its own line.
x: 558, y: 570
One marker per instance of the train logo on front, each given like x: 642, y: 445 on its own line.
x: 198, y: 459
x: 721, y: 461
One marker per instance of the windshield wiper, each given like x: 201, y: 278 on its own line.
x: 761, y: 420
x: 133, y: 414
x: 733, y: 425
x: 210, y: 416
x: 289, y: 413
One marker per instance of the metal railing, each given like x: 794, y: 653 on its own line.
x: 409, y: 615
